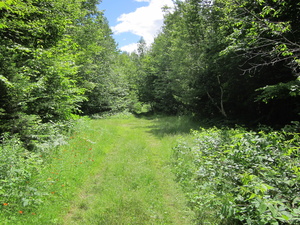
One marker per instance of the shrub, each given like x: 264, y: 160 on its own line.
x: 232, y: 176
x: 17, y: 168
x: 22, y: 157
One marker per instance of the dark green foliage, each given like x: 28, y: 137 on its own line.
x: 221, y: 58
x: 232, y: 176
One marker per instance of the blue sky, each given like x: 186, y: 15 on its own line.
x: 132, y: 19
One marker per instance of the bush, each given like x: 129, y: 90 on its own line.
x: 17, y: 168
x: 232, y: 176
x: 22, y: 157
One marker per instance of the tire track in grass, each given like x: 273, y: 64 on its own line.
x: 134, y: 184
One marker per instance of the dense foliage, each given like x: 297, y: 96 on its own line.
x: 57, y: 60
x: 38, y: 74
x: 232, y: 176
x: 228, y: 59
x: 236, y: 59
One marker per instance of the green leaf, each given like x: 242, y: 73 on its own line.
x: 262, y: 207
x: 286, y: 217
x: 253, y: 195
x: 2, y: 5
x: 5, y: 81
x: 273, y: 210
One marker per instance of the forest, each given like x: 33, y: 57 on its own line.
x: 232, y: 64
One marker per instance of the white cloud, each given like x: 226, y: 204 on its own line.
x: 129, y: 48
x: 144, y: 21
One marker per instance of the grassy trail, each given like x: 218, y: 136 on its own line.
x: 134, y: 183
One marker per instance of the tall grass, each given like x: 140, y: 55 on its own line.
x: 114, y: 170
x: 135, y: 184
x: 50, y: 189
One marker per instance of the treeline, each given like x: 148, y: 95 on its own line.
x: 233, y: 59
x: 57, y: 60
x: 237, y: 60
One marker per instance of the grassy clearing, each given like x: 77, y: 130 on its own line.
x: 135, y: 184
x: 120, y: 170
x: 114, y: 171
x: 60, y: 181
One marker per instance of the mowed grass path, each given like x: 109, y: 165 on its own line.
x: 133, y: 184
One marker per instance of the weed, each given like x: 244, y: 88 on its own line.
x: 232, y: 176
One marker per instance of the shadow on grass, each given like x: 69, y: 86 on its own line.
x: 172, y: 125
x: 176, y: 125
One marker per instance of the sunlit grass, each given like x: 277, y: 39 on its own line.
x: 135, y: 185
x: 113, y: 171
x: 62, y: 179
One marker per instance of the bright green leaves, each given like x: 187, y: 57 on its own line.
x: 268, y: 10
x: 50, y: 49
x: 283, y: 50
x: 38, y: 72
x: 279, y: 91
x: 37, y: 23
x: 262, y: 28
x: 56, y: 88
x: 5, y: 5
x: 231, y: 174
x: 5, y: 81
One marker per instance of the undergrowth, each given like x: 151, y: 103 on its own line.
x: 37, y: 186
x: 21, y: 162
x: 233, y: 176
x: 17, y: 168
x: 230, y: 176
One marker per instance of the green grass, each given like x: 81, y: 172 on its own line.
x: 114, y: 171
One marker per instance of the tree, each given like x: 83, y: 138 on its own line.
x: 209, y: 51
x: 266, y: 33
x: 142, y: 47
x: 94, y: 61
x: 37, y: 73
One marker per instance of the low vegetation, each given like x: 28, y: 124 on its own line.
x: 36, y: 186
x: 234, y: 176
x: 119, y: 168
x: 112, y: 170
